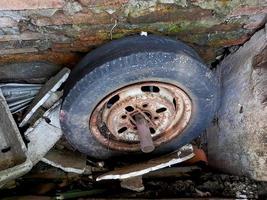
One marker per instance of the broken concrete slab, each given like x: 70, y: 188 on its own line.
x: 237, y: 141
x: 67, y: 160
x: 44, y: 134
x: 14, y: 160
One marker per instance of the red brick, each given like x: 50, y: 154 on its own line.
x: 30, y: 4
x: 7, y: 22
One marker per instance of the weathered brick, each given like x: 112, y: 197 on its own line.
x: 171, y: 13
x: 7, y: 22
x: 60, y: 58
x: 66, y: 47
x: 78, y: 18
x: 35, y: 39
x: 80, y: 25
x: 82, y: 44
x: 103, y: 3
x: 230, y: 41
x: 17, y: 51
x: 23, y: 36
x: 30, y: 4
x: 247, y: 10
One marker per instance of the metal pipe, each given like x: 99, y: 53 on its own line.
x: 146, y: 142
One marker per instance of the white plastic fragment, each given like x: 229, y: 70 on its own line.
x: 143, y: 33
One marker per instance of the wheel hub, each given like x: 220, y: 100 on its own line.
x: 165, y: 108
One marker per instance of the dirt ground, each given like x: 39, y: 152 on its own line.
x: 45, y: 182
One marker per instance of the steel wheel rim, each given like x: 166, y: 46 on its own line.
x: 166, y: 107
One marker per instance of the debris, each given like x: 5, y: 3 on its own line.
x: 30, y: 197
x: 134, y: 184
x: 43, y: 96
x: 27, y: 72
x: 78, y: 194
x: 200, y: 156
x: 174, y: 172
x: 202, y: 194
x: 44, y: 134
x: 67, y: 160
x: 183, y: 154
x: 18, y: 96
x: 14, y: 160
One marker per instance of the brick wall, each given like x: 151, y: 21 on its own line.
x: 62, y: 31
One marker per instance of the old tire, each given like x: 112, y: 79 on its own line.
x: 128, y: 61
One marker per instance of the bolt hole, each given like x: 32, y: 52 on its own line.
x: 135, y: 128
x: 174, y: 103
x: 129, y: 108
x: 123, y: 116
x: 145, y: 105
x: 152, y: 130
x: 156, y: 118
x: 112, y: 101
x: 6, y: 149
x: 160, y: 110
x: 47, y: 120
x: 121, y: 130
x: 150, y: 89
x: 147, y: 114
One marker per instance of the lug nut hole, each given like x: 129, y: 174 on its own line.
x: 160, y: 110
x: 129, y: 108
x: 112, y: 101
x: 150, y: 88
x: 121, y: 130
x: 152, y: 130
x: 124, y: 116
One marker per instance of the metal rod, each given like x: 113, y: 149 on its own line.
x: 146, y: 142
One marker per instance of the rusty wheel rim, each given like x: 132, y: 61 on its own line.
x: 166, y: 107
